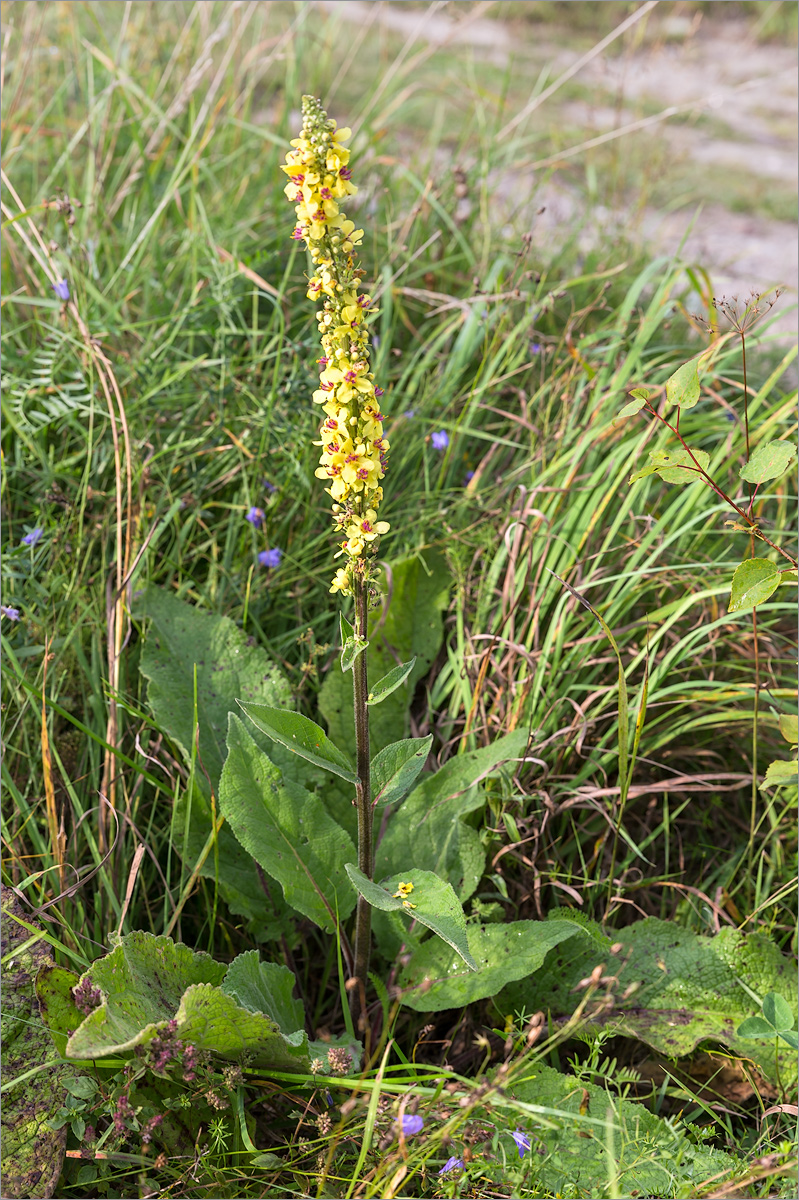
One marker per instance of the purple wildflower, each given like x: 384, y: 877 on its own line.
x: 150, y: 1127
x: 270, y: 558
x: 30, y: 539
x: 87, y: 997
x: 452, y: 1164
x: 255, y: 516
x: 522, y: 1142
x: 122, y: 1114
x: 410, y: 1125
x: 11, y: 613
x: 410, y: 413
x: 469, y: 477
x: 269, y: 487
x: 189, y: 1063
x: 535, y: 347
x: 61, y: 289
x: 440, y: 440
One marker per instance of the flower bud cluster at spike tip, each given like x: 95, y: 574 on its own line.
x: 353, y: 458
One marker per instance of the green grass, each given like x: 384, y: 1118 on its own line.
x: 137, y: 434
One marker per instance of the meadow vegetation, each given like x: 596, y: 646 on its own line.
x: 601, y: 793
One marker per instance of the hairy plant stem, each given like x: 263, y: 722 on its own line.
x: 363, y: 800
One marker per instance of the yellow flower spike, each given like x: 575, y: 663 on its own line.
x: 353, y: 450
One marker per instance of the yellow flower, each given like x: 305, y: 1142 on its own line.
x: 367, y: 527
x: 353, y: 451
x: 342, y: 582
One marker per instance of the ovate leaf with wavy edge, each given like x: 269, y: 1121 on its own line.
x: 301, y: 736
x: 397, y: 767
x: 768, y: 461
x: 686, y: 988
x: 676, y: 466
x: 287, y: 830
x: 142, y: 980
x: 650, y: 1156
x: 638, y: 398
x: 266, y: 988
x: 432, y: 903
x: 435, y: 979
x: 682, y: 388
x: 147, y: 982
x: 754, y: 581
x: 781, y: 773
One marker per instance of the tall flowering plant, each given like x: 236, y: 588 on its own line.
x: 353, y: 450
x: 353, y: 457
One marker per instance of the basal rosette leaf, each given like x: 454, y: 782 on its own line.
x: 435, y: 978
x: 151, y: 986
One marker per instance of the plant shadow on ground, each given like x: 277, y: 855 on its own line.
x: 149, y: 181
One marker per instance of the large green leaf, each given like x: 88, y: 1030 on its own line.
x: 229, y: 668
x: 428, y: 829
x: 754, y: 581
x: 301, y: 736
x: 266, y: 988
x: 411, y: 626
x: 287, y: 830
x: 211, y: 1020
x: 142, y: 982
x: 769, y: 460
x: 685, y: 988
x: 648, y: 1155
x: 146, y: 983
x: 435, y: 977
x: 430, y: 901
x: 181, y: 640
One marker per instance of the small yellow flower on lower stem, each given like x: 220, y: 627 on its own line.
x: 354, y: 451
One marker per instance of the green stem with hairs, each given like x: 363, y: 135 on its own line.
x: 363, y: 800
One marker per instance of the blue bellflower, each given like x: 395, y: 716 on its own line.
x: 410, y: 1125
x: 270, y: 558
x: 522, y: 1142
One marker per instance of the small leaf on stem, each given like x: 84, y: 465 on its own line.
x: 297, y: 733
x: 755, y: 579
x: 768, y: 461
